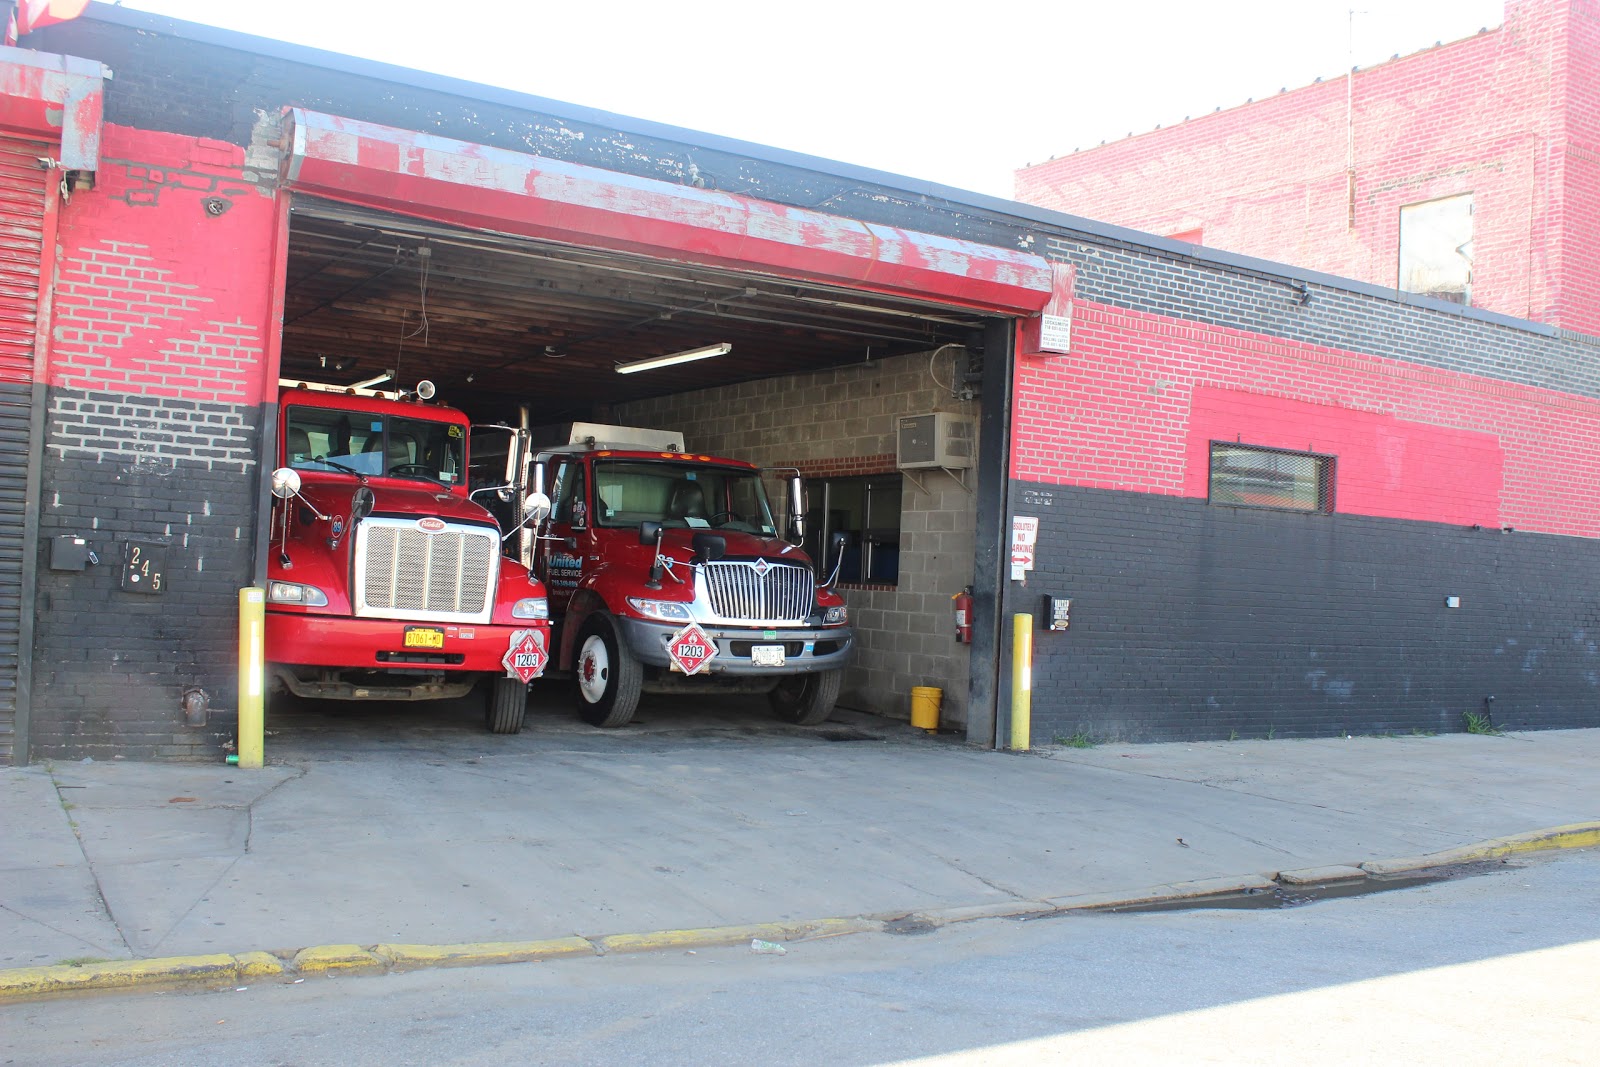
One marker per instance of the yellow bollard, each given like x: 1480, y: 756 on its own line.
x: 925, y: 701
x: 1021, y: 681
x: 252, y: 671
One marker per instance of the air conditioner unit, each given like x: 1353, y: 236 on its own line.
x: 937, y: 439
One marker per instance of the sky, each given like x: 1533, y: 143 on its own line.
x: 959, y: 94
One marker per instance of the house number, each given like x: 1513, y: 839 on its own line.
x: 142, y: 570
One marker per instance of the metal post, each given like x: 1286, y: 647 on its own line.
x: 1021, y: 681
x: 252, y: 668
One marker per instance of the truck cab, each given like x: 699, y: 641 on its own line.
x: 386, y: 579
x: 669, y: 571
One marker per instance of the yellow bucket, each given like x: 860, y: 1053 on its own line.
x: 925, y: 707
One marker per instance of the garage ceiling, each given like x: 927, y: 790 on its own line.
x: 496, y: 321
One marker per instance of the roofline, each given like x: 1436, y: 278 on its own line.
x: 1089, y: 228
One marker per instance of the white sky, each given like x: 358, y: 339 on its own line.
x: 960, y: 94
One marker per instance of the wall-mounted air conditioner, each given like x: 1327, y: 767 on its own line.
x: 937, y: 439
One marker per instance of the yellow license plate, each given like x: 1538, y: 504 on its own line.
x: 424, y: 637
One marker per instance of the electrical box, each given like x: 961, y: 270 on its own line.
x: 936, y: 439
x: 69, y: 552
x: 143, y: 566
x: 1057, y: 612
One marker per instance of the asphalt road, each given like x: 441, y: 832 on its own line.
x: 1498, y: 968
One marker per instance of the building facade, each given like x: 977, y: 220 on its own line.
x: 1469, y: 172
x: 1281, y: 503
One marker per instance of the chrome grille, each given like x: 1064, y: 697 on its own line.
x: 404, y: 572
x: 737, y: 591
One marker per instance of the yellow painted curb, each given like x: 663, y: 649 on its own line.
x: 1573, y: 835
x: 260, y: 965
x: 732, y: 935
x: 118, y: 974
x: 472, y: 954
x: 336, y: 959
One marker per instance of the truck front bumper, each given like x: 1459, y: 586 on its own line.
x: 303, y: 639
x: 805, y: 649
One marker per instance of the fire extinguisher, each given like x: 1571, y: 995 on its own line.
x: 963, y: 603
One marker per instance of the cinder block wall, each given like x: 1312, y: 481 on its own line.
x: 843, y: 422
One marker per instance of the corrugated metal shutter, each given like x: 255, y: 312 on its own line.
x: 22, y: 217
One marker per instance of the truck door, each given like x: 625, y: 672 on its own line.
x: 559, y: 555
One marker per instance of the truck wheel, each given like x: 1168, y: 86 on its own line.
x: 806, y: 699
x: 507, y: 706
x: 608, y: 676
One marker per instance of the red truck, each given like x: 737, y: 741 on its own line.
x: 386, y: 579
x: 668, y: 572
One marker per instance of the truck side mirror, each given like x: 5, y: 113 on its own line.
x: 535, y: 507
x: 836, y: 542
x: 709, y: 547
x: 649, y: 533
x: 797, y: 509
x: 362, y: 501
x: 285, y: 483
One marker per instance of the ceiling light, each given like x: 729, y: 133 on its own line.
x: 677, y: 357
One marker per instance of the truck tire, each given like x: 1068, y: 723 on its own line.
x: 806, y: 699
x: 507, y: 705
x: 608, y: 676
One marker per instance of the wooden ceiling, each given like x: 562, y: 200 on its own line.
x: 497, y: 321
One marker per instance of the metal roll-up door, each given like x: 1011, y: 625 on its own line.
x: 22, y: 226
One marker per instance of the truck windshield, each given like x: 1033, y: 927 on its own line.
x: 356, y: 442
x: 681, y: 495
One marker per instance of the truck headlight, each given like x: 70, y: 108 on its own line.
x: 665, y: 610
x: 835, y: 616
x: 293, y: 593
x: 532, y: 607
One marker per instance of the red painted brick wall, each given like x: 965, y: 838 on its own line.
x: 1134, y: 405
x: 154, y: 294
x: 1508, y: 115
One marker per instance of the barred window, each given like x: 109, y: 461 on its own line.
x: 1252, y: 477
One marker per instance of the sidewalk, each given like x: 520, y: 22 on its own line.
x: 567, y: 831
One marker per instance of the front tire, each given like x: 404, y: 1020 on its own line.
x: 507, y: 706
x: 806, y: 699
x: 609, y: 676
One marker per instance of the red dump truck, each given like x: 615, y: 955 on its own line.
x: 669, y: 572
x: 386, y: 578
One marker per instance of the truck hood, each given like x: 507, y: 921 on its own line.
x: 680, y: 543
x: 397, y: 498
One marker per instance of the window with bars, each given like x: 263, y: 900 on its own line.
x: 1249, y: 476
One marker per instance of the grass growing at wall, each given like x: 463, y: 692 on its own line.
x: 1476, y: 722
x: 1081, y: 739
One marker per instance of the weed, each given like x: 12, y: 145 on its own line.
x: 1081, y: 739
x: 1418, y: 732
x: 81, y: 961
x: 1233, y: 735
x: 1272, y: 731
x: 1477, y: 722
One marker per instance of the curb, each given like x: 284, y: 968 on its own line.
x: 222, y: 970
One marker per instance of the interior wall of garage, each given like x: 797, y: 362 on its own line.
x: 158, y: 334
x: 843, y: 422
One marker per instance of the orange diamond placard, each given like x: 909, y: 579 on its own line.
x: 690, y: 649
x: 525, y: 656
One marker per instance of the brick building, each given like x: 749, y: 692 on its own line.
x: 1281, y: 502
x: 1469, y: 171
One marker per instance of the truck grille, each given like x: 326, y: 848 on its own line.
x: 404, y: 572
x: 738, y: 592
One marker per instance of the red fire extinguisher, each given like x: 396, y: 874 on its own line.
x: 963, y: 603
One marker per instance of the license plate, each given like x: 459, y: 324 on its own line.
x: 766, y: 655
x: 424, y: 637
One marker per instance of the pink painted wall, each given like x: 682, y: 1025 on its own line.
x: 1133, y: 407
x: 154, y: 293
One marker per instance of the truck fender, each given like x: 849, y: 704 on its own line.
x: 584, y: 603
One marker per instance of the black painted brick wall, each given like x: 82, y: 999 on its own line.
x: 1194, y: 622
x: 111, y: 666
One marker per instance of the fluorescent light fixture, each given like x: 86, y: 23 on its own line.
x: 688, y: 356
